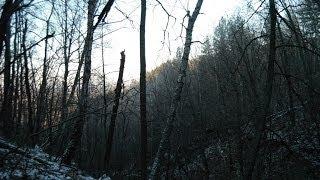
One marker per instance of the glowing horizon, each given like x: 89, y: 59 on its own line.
x: 156, y: 53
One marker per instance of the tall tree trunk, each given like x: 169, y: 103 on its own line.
x: 74, y: 143
x: 76, y: 134
x: 61, y: 135
x: 21, y: 105
x: 8, y: 9
x: 51, y: 110
x: 26, y: 79
x: 114, y: 111
x: 41, y: 102
x: 12, y: 86
x: 6, y: 111
x: 104, y: 85
x: 5, y: 19
x: 263, y: 109
x: 76, y: 79
x: 104, y: 13
x: 64, y: 106
x: 143, y: 109
x: 15, y: 72
x: 177, y: 94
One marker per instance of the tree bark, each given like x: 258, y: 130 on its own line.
x: 26, y: 78
x: 74, y: 143
x: 8, y: 9
x: 143, y: 109
x: 114, y: 111
x: 6, y: 111
x: 64, y: 105
x: 21, y: 105
x: 15, y: 72
x: 104, y: 13
x: 41, y: 102
x: 263, y: 109
x: 51, y: 111
x: 104, y: 85
x: 177, y: 94
x: 5, y: 19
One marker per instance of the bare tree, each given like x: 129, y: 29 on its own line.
x: 177, y: 94
x: 76, y: 134
x: 26, y: 79
x: 104, y: 13
x: 5, y: 35
x: 143, y: 109
x: 41, y: 100
x: 66, y: 57
x: 9, y: 8
x: 114, y: 113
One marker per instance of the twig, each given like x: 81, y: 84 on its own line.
x: 33, y: 45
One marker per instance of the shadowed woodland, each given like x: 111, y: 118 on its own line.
x: 247, y: 106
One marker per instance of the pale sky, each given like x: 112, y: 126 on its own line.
x: 128, y: 37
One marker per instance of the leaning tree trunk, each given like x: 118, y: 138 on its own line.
x: 76, y: 134
x: 105, y: 106
x: 143, y: 109
x: 104, y: 13
x: 41, y: 103
x: 26, y: 78
x: 64, y: 105
x: 114, y: 111
x: 177, y: 94
x: 264, y: 106
x: 74, y: 143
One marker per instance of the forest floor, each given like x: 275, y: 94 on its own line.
x: 26, y: 163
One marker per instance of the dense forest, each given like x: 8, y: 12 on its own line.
x: 247, y: 106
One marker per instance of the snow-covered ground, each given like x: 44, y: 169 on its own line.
x: 22, y: 163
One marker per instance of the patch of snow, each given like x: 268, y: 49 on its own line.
x: 104, y: 177
x: 36, y: 164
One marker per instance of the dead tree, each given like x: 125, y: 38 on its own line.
x: 114, y: 111
x: 163, y: 146
x: 143, y: 109
x: 104, y: 85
